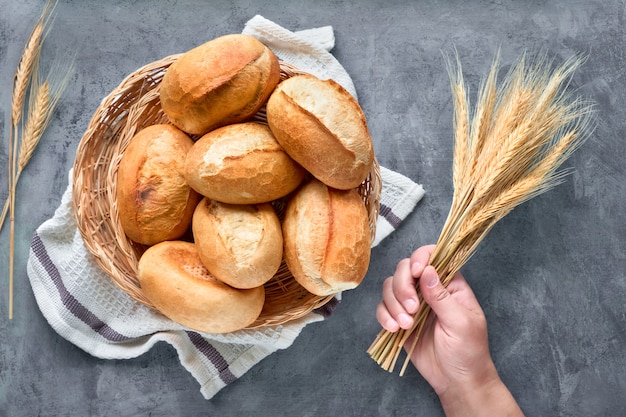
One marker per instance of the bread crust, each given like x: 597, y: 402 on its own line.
x: 242, y: 164
x: 223, y: 81
x: 155, y: 202
x: 242, y: 245
x: 174, y: 279
x: 326, y: 238
x: 322, y: 127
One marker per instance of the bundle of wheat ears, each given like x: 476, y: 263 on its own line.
x: 507, y: 151
x: 26, y: 130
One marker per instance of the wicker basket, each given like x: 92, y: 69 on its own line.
x: 133, y: 105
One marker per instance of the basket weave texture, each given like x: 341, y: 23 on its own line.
x: 133, y: 105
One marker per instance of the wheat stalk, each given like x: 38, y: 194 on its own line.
x: 26, y: 134
x: 29, y: 60
x: 21, y: 80
x: 520, y: 134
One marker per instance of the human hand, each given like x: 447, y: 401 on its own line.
x: 452, y: 352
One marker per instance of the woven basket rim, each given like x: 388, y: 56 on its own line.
x: 134, y: 104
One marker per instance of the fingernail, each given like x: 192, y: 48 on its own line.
x: 432, y: 280
x: 392, y: 326
x: 410, y: 305
x: 415, y: 269
x: 404, y: 320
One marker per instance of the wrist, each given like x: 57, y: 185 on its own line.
x: 480, y: 399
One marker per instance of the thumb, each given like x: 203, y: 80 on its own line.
x: 438, y: 297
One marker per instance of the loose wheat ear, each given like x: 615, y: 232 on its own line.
x: 506, y: 152
x: 21, y: 80
x: 25, y: 132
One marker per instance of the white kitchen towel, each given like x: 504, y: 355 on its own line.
x: 82, y: 304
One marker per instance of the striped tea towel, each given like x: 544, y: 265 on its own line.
x: 83, y: 305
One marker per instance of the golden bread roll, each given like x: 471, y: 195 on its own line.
x: 225, y: 80
x: 174, y: 279
x: 154, y: 200
x: 241, y: 163
x: 242, y: 245
x: 327, y: 238
x: 323, y: 128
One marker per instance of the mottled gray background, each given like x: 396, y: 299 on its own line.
x: 550, y: 276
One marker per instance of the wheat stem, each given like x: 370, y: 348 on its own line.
x: 5, y: 210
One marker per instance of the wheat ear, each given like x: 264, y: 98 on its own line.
x: 21, y: 81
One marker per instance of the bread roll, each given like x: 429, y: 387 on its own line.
x: 241, y: 164
x: 327, y: 238
x: 225, y: 80
x: 154, y: 200
x: 323, y: 128
x: 241, y: 245
x: 174, y: 279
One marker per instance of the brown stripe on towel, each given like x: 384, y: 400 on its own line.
x: 390, y: 216
x: 68, y: 300
x: 216, y: 358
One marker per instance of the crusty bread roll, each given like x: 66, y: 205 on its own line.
x: 225, y: 80
x: 174, y: 279
x: 154, y: 200
x: 323, y: 128
x: 326, y: 238
x: 241, y: 163
x: 241, y: 245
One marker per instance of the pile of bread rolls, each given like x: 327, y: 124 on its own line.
x: 200, y: 191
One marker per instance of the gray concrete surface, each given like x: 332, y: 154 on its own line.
x: 551, y: 276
